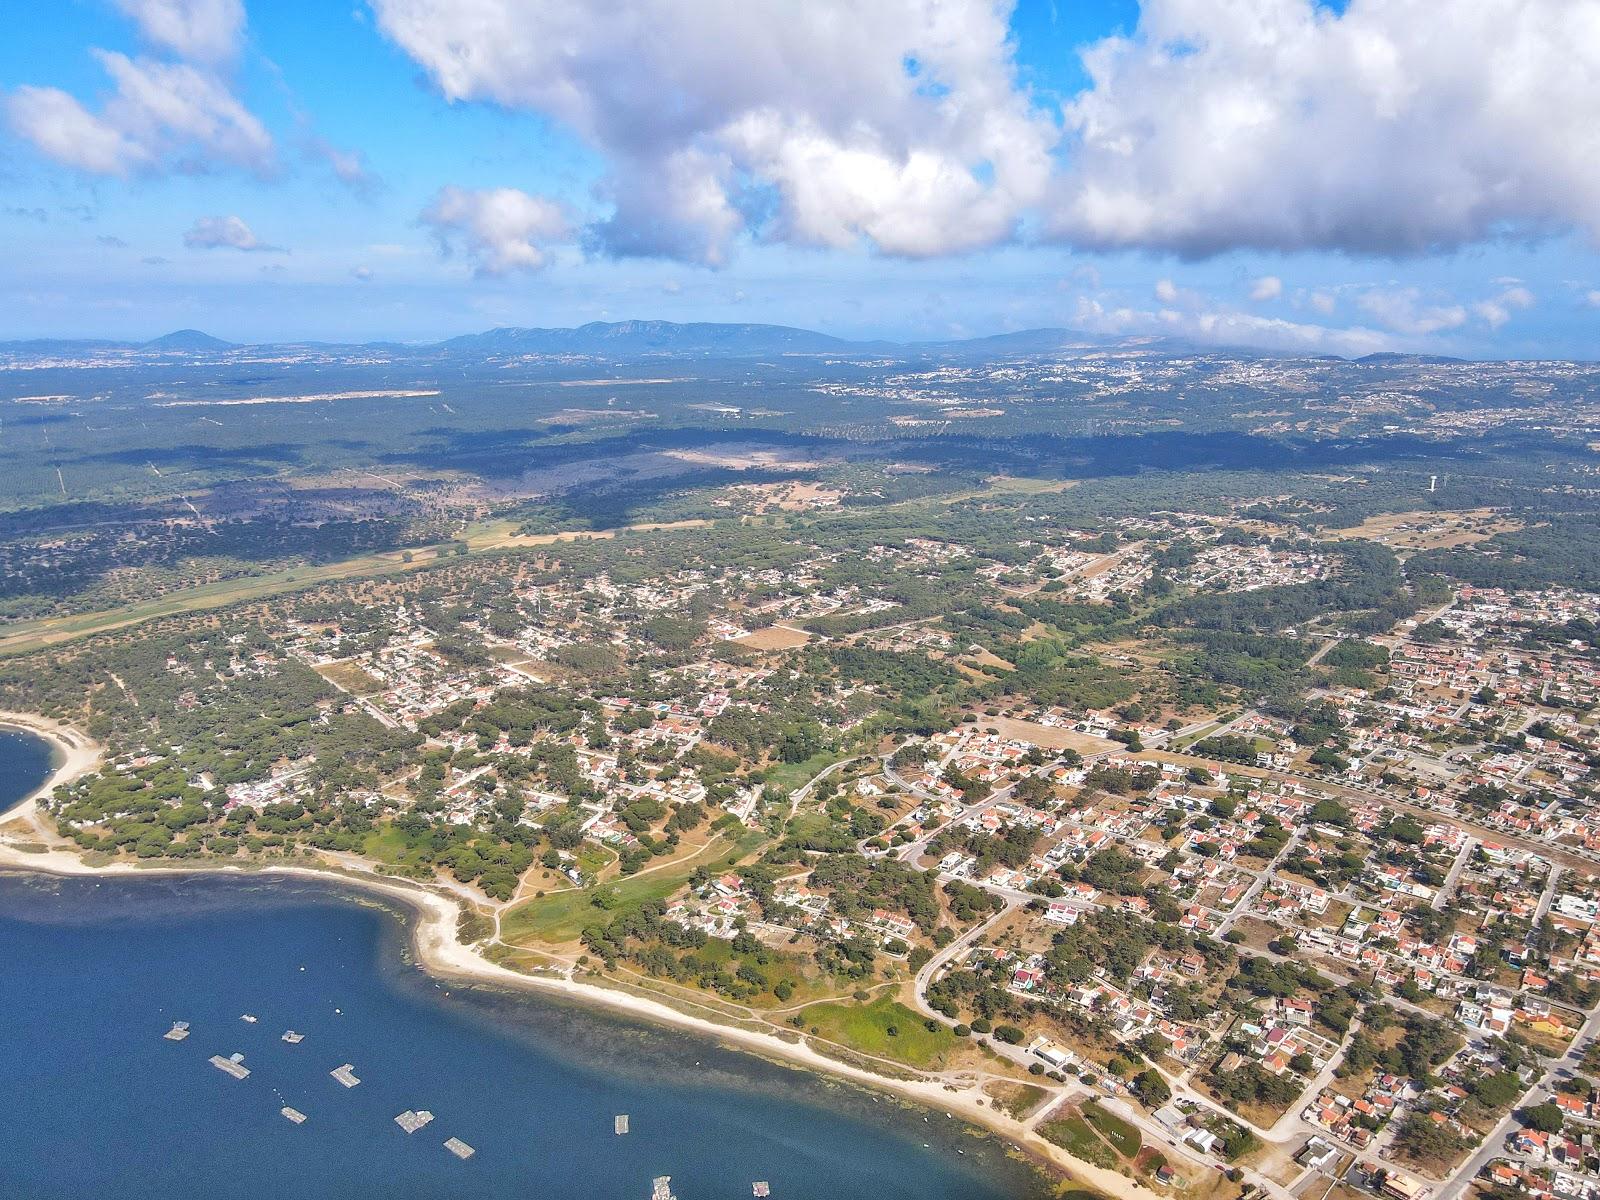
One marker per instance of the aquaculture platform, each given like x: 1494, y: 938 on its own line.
x: 412, y: 1121
x: 231, y: 1066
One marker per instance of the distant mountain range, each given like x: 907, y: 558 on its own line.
x: 637, y: 339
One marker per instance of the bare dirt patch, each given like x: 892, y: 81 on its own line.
x: 774, y: 637
x: 1410, y: 532
x: 1047, y: 737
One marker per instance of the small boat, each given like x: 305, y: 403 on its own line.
x: 248, y: 1019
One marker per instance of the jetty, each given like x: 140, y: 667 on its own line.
x: 293, y: 1114
x: 233, y: 1065
x: 179, y: 1031
x: 345, y: 1075
x: 459, y: 1148
x: 620, y: 1124
x: 412, y: 1121
x: 293, y: 1038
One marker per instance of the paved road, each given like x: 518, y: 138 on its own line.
x: 1492, y: 1146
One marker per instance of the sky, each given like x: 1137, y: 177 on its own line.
x: 1297, y: 175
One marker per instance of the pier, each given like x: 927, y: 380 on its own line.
x: 620, y: 1124
x: 459, y: 1148
x: 345, y: 1075
x: 412, y: 1121
x: 231, y: 1066
x: 179, y: 1031
x: 293, y: 1114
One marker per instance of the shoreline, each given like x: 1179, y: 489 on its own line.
x: 441, y: 953
x: 74, y: 754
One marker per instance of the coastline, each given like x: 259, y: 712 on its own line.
x: 74, y: 753
x: 440, y: 951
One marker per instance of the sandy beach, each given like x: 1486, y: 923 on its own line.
x: 440, y: 951
x: 76, y: 755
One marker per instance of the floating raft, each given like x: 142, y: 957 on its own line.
x: 293, y: 1038
x: 459, y: 1148
x: 179, y: 1031
x: 760, y: 1188
x: 661, y: 1188
x: 620, y: 1124
x: 293, y: 1114
x: 345, y: 1075
x: 412, y: 1121
x: 231, y: 1066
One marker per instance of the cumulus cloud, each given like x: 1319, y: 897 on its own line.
x: 161, y: 115
x: 897, y: 124
x: 1268, y: 287
x: 1282, y: 125
x: 501, y: 229
x: 1166, y: 291
x: 1207, y: 323
x: 1406, y: 311
x: 1497, y: 310
x: 225, y: 233
x: 1270, y: 124
x: 200, y: 30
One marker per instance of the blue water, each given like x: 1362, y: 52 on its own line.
x: 25, y: 762
x: 95, y: 1102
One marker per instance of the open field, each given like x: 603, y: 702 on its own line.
x: 1046, y: 736
x: 1410, y: 532
x: 348, y: 677
x: 884, y: 1027
x: 775, y: 637
x: 561, y: 916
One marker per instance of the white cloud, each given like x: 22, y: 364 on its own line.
x: 170, y: 115
x: 1279, y: 124
x: 225, y: 233
x: 902, y: 125
x: 1592, y: 298
x: 501, y: 229
x: 1227, y: 327
x: 62, y: 129
x: 199, y: 30
x: 1323, y: 301
x: 1497, y: 311
x: 1406, y: 311
x: 829, y: 123
x: 1166, y: 291
x: 161, y: 115
x: 1268, y: 287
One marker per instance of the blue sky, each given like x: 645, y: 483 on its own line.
x: 411, y: 169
